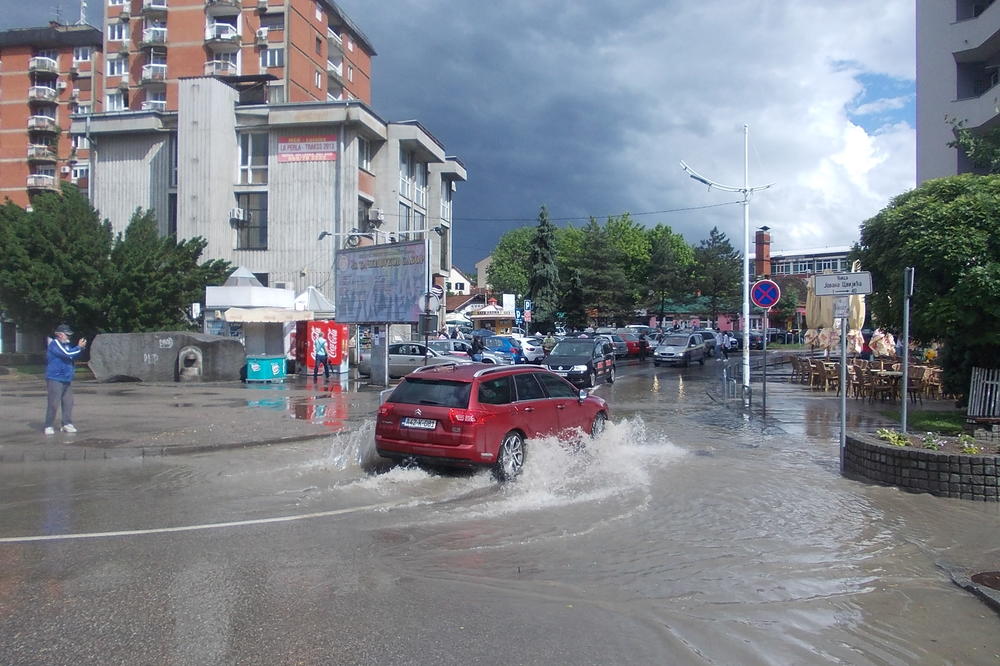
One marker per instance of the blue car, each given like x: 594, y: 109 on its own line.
x: 507, y: 344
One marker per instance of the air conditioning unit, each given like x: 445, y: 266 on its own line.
x: 262, y: 36
x: 376, y: 215
x: 262, y: 5
x: 64, y: 169
x: 238, y: 215
x: 60, y: 85
x: 125, y: 14
x: 74, y: 94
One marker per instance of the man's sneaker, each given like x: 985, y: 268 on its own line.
x: 69, y: 427
x: 50, y: 431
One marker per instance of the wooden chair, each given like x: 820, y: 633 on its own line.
x: 915, y: 382
x: 855, y: 379
x: 932, y: 383
x: 878, y: 387
x: 815, y: 374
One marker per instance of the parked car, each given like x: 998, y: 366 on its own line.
x: 505, y: 343
x: 473, y: 415
x: 713, y: 344
x: 680, y: 348
x: 639, y: 329
x: 756, y: 339
x: 404, y: 357
x: 464, y: 349
x: 633, y: 344
x: 583, y: 361
x: 532, y: 349
x: 619, y: 345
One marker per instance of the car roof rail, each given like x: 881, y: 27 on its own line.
x: 496, y: 368
x: 438, y: 366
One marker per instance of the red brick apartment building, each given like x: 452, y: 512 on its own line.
x: 46, y: 74
x: 274, y: 51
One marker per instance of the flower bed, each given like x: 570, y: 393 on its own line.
x: 944, y: 472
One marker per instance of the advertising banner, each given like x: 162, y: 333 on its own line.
x: 380, y: 283
x: 313, y: 148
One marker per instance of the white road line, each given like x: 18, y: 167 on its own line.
x: 192, y: 528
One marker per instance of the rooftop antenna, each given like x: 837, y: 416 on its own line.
x: 58, y: 11
x: 83, y: 12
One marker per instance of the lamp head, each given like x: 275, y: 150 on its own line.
x: 324, y: 234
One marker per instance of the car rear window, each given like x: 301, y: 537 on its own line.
x: 413, y: 391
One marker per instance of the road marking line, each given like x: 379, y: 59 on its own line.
x: 193, y: 528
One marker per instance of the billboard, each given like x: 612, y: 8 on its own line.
x: 313, y: 148
x: 380, y: 283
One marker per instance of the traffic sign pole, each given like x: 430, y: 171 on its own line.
x: 765, y: 294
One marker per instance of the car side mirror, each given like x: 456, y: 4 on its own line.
x: 582, y: 395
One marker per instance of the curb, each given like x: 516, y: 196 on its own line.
x: 963, y: 578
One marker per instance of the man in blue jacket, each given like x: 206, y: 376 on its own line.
x: 59, y: 378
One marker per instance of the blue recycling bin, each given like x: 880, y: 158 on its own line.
x: 266, y: 368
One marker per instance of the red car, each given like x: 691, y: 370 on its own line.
x: 478, y: 415
x: 633, y: 342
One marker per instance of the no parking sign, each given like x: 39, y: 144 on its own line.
x: 765, y: 293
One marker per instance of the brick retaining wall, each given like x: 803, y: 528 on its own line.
x: 924, y: 470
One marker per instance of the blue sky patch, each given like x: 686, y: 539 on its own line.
x: 884, y: 100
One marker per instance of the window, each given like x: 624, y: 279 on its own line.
x: 557, y: 388
x: 51, y: 54
x: 116, y: 101
x: 157, y: 56
x: 252, y: 234
x: 172, y: 214
x: 364, y: 154
x: 172, y: 147
x: 418, y: 220
x: 83, y: 108
x: 117, y: 66
x: 79, y: 142
x: 404, y: 221
x: 276, y: 94
x: 273, y: 21
x: 443, y: 254
x: 319, y: 46
x: 117, y: 32
x: 272, y: 58
x: 495, y: 391
x: 253, y: 158
x: 81, y: 54
x: 527, y: 387
x: 420, y: 187
x: 319, y: 80
x: 446, y: 200
x: 319, y: 11
x: 116, y: 2
x: 405, y: 174
x: 81, y: 171
x: 350, y: 43
x: 45, y: 171
x: 350, y: 73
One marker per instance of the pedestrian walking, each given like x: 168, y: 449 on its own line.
x: 319, y: 352
x: 477, y: 348
x: 643, y: 346
x: 726, y: 342
x: 548, y: 344
x: 59, y: 368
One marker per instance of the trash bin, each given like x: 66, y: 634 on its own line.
x: 266, y: 368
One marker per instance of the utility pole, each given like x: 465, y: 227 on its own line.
x: 746, y: 191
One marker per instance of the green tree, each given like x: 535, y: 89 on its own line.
x: 572, y: 301
x: 601, y: 268
x: 633, y: 245
x: 982, y: 148
x: 671, y: 267
x: 719, y: 272
x: 793, y: 293
x: 154, y: 279
x: 948, y: 230
x: 56, y: 259
x: 508, y: 272
x: 543, y: 278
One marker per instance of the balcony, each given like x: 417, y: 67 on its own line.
x: 223, y: 7
x: 335, y: 41
x: 222, y: 37
x: 37, y: 181
x: 335, y: 70
x: 221, y: 68
x: 153, y: 37
x: 154, y: 73
x: 43, y: 65
x: 154, y: 7
x: 42, y: 124
x: 154, y: 105
x: 41, y: 153
x: 42, y: 94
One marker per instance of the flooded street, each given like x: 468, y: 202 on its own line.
x: 687, y: 534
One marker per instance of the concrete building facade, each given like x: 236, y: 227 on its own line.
x: 262, y: 182
x: 958, y: 72
x: 46, y: 75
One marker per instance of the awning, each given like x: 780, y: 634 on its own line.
x: 266, y: 315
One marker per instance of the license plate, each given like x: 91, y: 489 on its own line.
x: 423, y: 424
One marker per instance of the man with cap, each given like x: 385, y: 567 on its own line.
x: 59, y: 378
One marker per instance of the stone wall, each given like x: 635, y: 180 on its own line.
x: 153, y: 357
x: 973, y: 477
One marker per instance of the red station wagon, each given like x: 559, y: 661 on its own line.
x: 477, y: 415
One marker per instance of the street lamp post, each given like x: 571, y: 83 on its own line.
x: 746, y: 191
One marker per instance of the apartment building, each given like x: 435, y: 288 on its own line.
x: 958, y: 72
x: 275, y: 51
x: 46, y: 74
x: 262, y: 182
x: 800, y: 263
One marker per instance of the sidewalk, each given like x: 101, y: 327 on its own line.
x: 147, y: 419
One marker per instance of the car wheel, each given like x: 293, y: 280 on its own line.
x: 656, y: 363
x: 687, y: 361
x: 592, y: 378
x: 597, y: 427
x: 510, y: 457
x: 611, y: 375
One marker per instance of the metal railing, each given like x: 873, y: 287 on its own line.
x: 43, y: 64
x: 154, y: 72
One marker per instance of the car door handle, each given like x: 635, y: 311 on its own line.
x: 528, y: 409
x: 560, y: 406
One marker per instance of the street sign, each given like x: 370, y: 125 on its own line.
x: 844, y: 284
x: 765, y: 293
x: 527, y: 304
x: 841, y: 307
x: 429, y: 303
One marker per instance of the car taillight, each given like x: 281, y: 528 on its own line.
x: 516, y: 350
x: 385, y: 409
x: 467, y: 417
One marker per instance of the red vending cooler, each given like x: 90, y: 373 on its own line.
x: 306, y: 333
